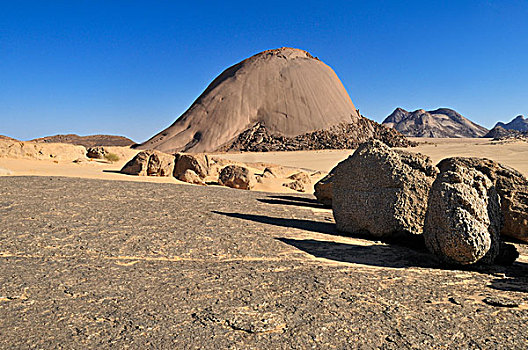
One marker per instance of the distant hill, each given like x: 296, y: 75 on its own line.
x: 442, y: 122
x: 519, y: 123
x: 3, y: 137
x: 87, y: 141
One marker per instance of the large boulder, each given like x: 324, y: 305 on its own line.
x: 463, y: 219
x: 381, y: 191
x: 160, y: 164
x: 198, y: 163
x: 150, y: 163
x: 511, y: 186
x: 323, y: 189
x: 236, y: 176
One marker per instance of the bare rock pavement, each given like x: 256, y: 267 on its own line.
x: 111, y: 264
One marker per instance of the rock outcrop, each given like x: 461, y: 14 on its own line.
x: 287, y: 90
x: 511, y: 186
x: 442, y: 122
x: 463, y: 217
x: 342, y: 136
x: 191, y: 177
x: 381, y: 191
x: 236, y: 176
x: 150, y: 163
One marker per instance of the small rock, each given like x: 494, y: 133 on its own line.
x: 191, y: 177
x: 96, y: 152
x: 296, y: 185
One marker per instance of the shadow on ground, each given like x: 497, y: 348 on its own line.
x: 308, y: 225
x: 291, y: 202
x: 374, y: 255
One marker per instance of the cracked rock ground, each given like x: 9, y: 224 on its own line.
x: 100, y: 264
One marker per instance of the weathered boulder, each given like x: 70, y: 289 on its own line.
x: 96, y: 152
x: 236, y: 176
x: 323, y: 189
x: 463, y: 218
x: 198, y: 163
x: 511, y: 186
x: 150, y: 163
x: 381, y: 191
x: 160, y: 164
x: 191, y: 177
x: 137, y: 165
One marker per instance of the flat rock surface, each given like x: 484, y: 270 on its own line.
x: 100, y: 264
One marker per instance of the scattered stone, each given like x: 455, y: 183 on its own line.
x: 198, y: 163
x: 191, y: 177
x: 342, y: 136
x: 501, y: 302
x: 80, y: 160
x: 323, y: 189
x: 296, y: 185
x: 381, y: 191
x: 463, y: 219
x: 96, y: 152
x: 301, y: 177
x: 236, y: 176
x: 511, y: 186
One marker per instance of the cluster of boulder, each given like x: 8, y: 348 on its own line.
x: 461, y: 207
x: 341, y: 136
x: 201, y: 169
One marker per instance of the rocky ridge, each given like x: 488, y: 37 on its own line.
x: 87, y: 141
x: 442, y: 122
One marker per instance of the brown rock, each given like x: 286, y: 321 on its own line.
x: 511, y: 186
x: 381, y: 191
x: 96, y: 152
x: 323, y: 189
x: 137, y: 165
x: 191, y: 177
x: 302, y: 177
x: 160, y: 164
x: 463, y: 218
x: 198, y: 163
x: 150, y: 163
x: 236, y: 176
x: 296, y: 185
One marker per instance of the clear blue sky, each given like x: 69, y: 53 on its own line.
x: 132, y: 67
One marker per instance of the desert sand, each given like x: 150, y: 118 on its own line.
x: 57, y: 159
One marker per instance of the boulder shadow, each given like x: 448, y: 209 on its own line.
x: 308, y: 225
x: 515, y: 280
x: 290, y: 202
x: 295, y: 198
x: 374, y: 255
